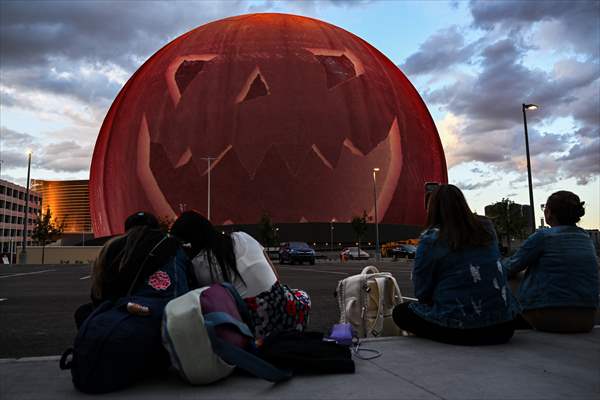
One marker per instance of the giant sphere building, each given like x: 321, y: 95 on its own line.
x: 296, y: 114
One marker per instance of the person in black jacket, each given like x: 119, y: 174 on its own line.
x: 118, y: 262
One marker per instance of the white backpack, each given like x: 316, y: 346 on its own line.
x: 367, y: 300
x: 198, y: 353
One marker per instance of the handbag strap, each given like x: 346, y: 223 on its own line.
x: 240, y: 358
x: 370, y: 269
x: 221, y: 318
x: 377, y: 327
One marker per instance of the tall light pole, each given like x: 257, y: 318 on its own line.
x: 209, y: 159
x: 525, y: 108
x: 24, y: 243
x: 331, y: 233
x: 377, y: 253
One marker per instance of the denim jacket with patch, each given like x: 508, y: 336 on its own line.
x: 462, y: 289
x: 562, y: 269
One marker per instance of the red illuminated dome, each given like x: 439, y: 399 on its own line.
x: 297, y: 113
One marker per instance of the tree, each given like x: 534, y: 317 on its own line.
x: 46, y: 230
x: 359, y: 225
x: 266, y: 230
x: 510, y: 220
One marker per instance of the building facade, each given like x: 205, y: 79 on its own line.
x: 13, y: 211
x: 68, y: 201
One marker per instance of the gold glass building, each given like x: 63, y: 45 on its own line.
x: 69, y: 202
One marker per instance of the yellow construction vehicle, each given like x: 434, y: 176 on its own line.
x: 386, y: 247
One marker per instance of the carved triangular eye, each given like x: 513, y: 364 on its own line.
x: 338, y: 69
x: 186, y: 72
x: 257, y: 89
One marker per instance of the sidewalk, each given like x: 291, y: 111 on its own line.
x: 533, y: 366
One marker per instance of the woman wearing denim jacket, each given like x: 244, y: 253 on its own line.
x: 559, y: 292
x: 458, y: 279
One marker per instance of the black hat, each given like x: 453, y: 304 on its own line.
x: 141, y: 218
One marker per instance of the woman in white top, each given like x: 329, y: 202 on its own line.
x: 240, y: 260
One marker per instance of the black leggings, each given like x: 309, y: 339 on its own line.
x: 406, y: 319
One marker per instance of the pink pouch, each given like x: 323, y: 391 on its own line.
x: 217, y: 299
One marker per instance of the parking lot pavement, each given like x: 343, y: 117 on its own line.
x: 37, y: 302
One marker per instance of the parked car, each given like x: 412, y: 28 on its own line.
x: 404, y: 251
x: 352, y: 253
x: 293, y: 252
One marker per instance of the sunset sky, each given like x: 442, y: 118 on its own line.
x: 474, y: 64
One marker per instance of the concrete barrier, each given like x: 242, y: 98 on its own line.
x: 63, y: 254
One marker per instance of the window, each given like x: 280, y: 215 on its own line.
x: 8, y: 205
x: 20, y: 208
x: 2, y: 189
x: 15, y: 194
x: 14, y: 206
x: 20, y: 195
x: 19, y: 220
x: 13, y: 220
x: 9, y: 191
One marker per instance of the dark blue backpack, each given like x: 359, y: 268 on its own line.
x: 114, y: 348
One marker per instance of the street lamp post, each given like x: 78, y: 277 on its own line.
x: 377, y: 253
x: 331, y: 233
x: 24, y: 243
x: 209, y: 159
x: 525, y: 108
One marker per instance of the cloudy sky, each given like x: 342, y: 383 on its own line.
x: 474, y: 64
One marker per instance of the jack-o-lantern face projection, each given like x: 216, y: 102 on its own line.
x: 295, y: 114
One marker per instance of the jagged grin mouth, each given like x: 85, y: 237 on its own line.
x: 340, y: 67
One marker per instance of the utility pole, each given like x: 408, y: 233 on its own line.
x: 208, y: 159
x: 24, y: 247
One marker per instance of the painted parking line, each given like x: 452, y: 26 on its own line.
x: 85, y: 277
x: 3, y: 299
x: 315, y: 270
x: 26, y: 273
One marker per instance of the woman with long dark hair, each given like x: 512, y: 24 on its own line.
x: 239, y: 259
x: 458, y: 278
x: 559, y: 292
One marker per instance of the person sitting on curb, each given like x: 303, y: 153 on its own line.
x: 116, y: 264
x: 240, y: 260
x: 559, y: 292
x: 458, y: 279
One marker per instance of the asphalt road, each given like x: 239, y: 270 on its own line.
x: 37, y: 302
